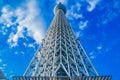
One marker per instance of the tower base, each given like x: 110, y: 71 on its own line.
x: 63, y: 78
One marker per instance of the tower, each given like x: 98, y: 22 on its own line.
x: 60, y: 54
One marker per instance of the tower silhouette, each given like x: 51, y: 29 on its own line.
x: 61, y: 53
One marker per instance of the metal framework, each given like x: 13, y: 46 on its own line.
x: 64, y: 78
x: 61, y: 53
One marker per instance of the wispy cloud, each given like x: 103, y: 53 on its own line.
x: 75, y: 13
x: 92, y: 55
x: 79, y: 34
x: 71, y: 14
x: 99, y: 47
x: 28, y: 16
x: 13, y: 38
x: 4, y: 30
x: 92, y: 4
x: 83, y: 24
x: 4, y: 65
x: 110, y: 12
x: 6, y: 16
x: 31, y: 45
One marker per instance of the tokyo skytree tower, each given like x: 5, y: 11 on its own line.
x: 61, y: 55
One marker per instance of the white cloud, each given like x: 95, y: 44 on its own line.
x: 92, y: 4
x: 91, y: 53
x: 33, y: 21
x: 78, y: 5
x: 31, y: 45
x: 83, y: 25
x: 25, y: 44
x: 12, y: 40
x: 72, y: 14
x: 4, y: 30
x: 92, y: 56
x: 77, y: 15
x: 5, y: 17
x: 28, y: 16
x: 99, y: 47
x: 79, y: 34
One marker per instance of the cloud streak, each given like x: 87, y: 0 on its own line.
x: 83, y: 25
x: 92, y: 55
x: 71, y: 14
x: 92, y: 4
x: 99, y: 47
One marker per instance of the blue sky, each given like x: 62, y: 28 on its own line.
x: 24, y: 23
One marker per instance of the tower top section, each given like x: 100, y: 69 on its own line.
x: 59, y: 6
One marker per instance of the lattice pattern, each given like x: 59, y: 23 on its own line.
x: 64, y: 78
x: 61, y: 54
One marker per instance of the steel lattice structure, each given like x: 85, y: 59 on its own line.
x: 61, y: 53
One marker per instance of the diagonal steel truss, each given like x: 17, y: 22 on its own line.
x: 61, y: 53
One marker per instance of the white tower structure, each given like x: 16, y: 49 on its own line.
x: 61, y: 55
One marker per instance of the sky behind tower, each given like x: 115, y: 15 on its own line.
x: 24, y: 23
